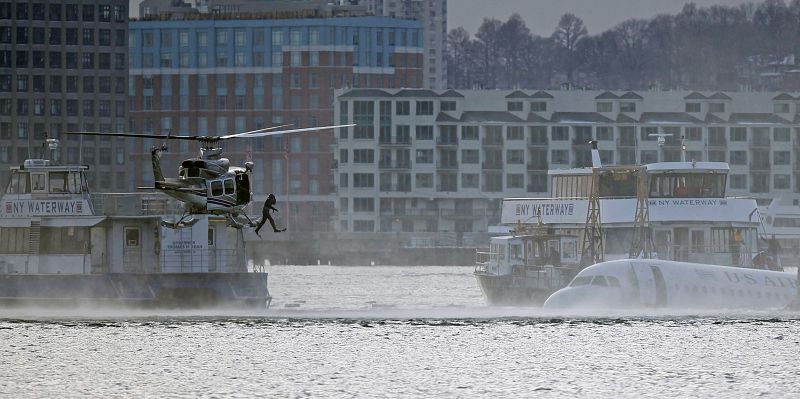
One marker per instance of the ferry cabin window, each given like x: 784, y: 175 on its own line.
x: 618, y: 184
x: 216, y: 188
x: 131, y: 236
x: 58, y: 182
x: 20, y: 183
x: 515, y: 251
x: 37, y: 182
x: 74, y: 182
x: 229, y: 190
x: 66, y: 240
x: 687, y: 185
x: 13, y: 240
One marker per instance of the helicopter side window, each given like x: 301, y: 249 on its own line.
x: 194, y: 172
x: 216, y: 188
x: 229, y: 190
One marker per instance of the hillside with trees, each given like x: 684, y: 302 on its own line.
x: 747, y: 47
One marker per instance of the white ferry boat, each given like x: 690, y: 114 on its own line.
x: 61, y: 245
x: 690, y: 220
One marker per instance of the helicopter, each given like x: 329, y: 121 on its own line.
x: 208, y: 184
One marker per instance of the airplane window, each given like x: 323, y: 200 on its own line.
x: 228, y: 186
x: 216, y: 188
x: 582, y: 280
x: 612, y: 281
x: 600, y: 280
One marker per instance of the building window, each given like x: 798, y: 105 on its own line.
x: 738, y: 134
x: 694, y: 133
x: 738, y: 158
x: 716, y: 107
x: 424, y: 132
x: 627, y: 106
x: 402, y: 108
x: 559, y: 133
x: 692, y: 107
x: 781, y: 134
x: 515, y: 106
x: 604, y: 107
x: 424, y: 180
x: 538, y: 106
x: 448, y: 105
x: 782, y: 157
x: 424, y: 108
x: 515, y: 133
x: 781, y: 108
x: 515, y: 157
x: 559, y: 157
x: 515, y: 180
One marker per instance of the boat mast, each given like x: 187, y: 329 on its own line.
x: 642, y: 244
x: 592, y: 245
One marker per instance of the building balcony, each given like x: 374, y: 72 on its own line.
x: 538, y: 165
x: 581, y: 141
x: 461, y: 213
x: 759, y: 142
x: 399, y: 141
x: 396, y: 164
x: 446, y: 142
x: 760, y: 166
x: 537, y: 142
x: 395, y: 188
x: 412, y: 212
x: 492, y: 142
x: 492, y: 165
x: 447, y: 165
x: 626, y: 142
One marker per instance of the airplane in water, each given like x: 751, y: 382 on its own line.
x: 208, y: 184
x: 650, y: 283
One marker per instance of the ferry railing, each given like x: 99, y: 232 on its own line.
x: 205, y: 260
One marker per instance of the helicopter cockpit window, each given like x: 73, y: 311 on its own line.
x: 193, y: 172
x: 229, y: 190
x: 216, y: 188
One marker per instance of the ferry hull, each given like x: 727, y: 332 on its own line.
x: 153, y: 290
x: 509, y: 290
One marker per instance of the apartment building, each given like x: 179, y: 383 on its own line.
x: 240, y: 69
x: 422, y: 161
x: 63, y: 67
x: 433, y: 16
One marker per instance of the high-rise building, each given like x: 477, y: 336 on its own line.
x: 63, y: 67
x: 433, y: 15
x: 247, y: 68
x: 423, y: 163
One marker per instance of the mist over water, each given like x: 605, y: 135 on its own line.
x: 395, y: 332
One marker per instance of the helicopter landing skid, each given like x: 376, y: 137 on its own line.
x: 181, y: 223
x: 238, y: 224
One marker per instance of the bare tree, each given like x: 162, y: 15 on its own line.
x: 487, y: 43
x: 568, y: 34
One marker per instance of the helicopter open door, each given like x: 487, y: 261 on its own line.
x: 242, y: 189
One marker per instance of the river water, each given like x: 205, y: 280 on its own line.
x: 384, y: 332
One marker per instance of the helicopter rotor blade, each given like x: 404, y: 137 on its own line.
x: 230, y: 136
x: 145, y: 136
x: 306, y: 129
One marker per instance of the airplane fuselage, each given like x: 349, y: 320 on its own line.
x: 648, y: 283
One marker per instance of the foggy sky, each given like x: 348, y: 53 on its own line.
x: 541, y: 16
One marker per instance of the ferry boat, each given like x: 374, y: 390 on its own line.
x: 687, y: 218
x: 61, y: 245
